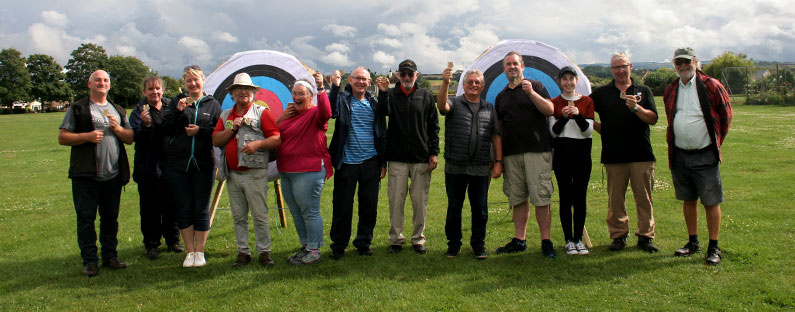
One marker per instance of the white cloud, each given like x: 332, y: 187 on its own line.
x: 337, y: 59
x: 338, y: 47
x: 196, y: 49
x: 126, y: 50
x: 343, y: 31
x: 51, y: 41
x: 54, y: 18
x: 389, y: 29
x: 388, y: 42
x: 225, y: 37
x: 383, y: 58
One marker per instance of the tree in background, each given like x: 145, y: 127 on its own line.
x: 659, y: 79
x: 85, y: 60
x: 127, y: 74
x: 14, y: 78
x: 734, y: 79
x: 47, y: 78
x: 171, y: 86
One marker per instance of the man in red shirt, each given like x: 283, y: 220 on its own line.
x: 246, y: 133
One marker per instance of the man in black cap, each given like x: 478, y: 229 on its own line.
x: 412, y: 144
x: 699, y: 114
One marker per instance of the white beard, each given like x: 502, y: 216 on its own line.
x: 407, y: 86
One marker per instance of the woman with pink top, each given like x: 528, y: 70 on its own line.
x: 304, y: 164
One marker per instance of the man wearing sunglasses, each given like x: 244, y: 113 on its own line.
x: 699, y: 114
x: 412, y: 146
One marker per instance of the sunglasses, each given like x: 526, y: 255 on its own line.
x: 193, y: 67
x: 406, y: 73
x: 681, y: 61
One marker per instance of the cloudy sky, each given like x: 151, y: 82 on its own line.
x: 342, y: 34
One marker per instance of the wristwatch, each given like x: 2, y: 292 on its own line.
x: 635, y: 109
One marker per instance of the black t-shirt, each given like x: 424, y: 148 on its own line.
x: 524, y: 127
x: 625, y: 138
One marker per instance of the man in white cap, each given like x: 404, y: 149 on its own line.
x: 245, y: 133
x: 699, y: 114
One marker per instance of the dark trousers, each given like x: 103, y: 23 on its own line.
x: 458, y: 185
x: 191, y: 194
x: 572, y: 165
x: 158, y: 214
x: 368, y: 176
x: 91, y: 196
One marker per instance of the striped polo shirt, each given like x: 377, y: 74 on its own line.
x: 361, y: 140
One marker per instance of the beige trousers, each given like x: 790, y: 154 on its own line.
x: 398, y: 185
x: 641, y: 177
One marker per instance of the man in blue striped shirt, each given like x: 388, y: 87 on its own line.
x: 357, y: 150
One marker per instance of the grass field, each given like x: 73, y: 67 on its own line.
x: 40, y: 262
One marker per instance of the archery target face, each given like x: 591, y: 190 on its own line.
x: 542, y: 62
x: 272, y: 71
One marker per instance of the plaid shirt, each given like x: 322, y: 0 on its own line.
x: 713, y: 98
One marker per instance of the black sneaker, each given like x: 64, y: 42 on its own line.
x: 395, y: 248
x: 152, y: 253
x: 689, y: 249
x: 713, y: 255
x: 420, y: 249
x: 337, y: 254
x: 452, y: 252
x: 548, y: 249
x: 114, y: 263
x: 515, y: 245
x: 646, y: 244
x: 479, y: 252
x: 618, y: 244
x: 366, y: 251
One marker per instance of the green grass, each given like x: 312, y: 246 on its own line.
x: 40, y: 262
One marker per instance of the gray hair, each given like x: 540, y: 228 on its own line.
x: 476, y: 72
x: 306, y: 83
x: 619, y: 55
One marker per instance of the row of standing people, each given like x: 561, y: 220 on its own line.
x: 514, y: 137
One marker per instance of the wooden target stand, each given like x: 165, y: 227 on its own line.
x: 277, y: 186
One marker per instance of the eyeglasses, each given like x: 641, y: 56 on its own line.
x: 474, y: 82
x: 406, y: 73
x: 617, y: 67
x: 360, y: 78
x: 193, y: 67
x: 681, y: 61
x: 299, y: 94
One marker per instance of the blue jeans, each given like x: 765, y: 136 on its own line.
x: 302, y: 192
x: 90, y: 196
x: 458, y: 185
x: 191, y: 193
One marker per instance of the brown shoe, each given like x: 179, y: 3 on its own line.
x: 176, y: 247
x: 265, y: 259
x: 114, y: 263
x: 90, y: 270
x: 242, y: 259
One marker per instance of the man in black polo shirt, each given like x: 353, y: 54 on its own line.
x: 522, y: 111
x: 626, y: 110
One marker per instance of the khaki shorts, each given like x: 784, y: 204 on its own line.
x: 528, y: 176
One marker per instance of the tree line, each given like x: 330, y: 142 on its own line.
x: 40, y: 77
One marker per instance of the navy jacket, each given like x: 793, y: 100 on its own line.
x: 150, y: 142
x: 341, y: 112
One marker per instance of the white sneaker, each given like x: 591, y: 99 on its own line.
x: 199, y: 260
x: 581, y: 248
x: 189, y: 260
x: 570, y: 248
